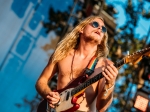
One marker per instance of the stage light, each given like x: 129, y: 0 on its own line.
x: 141, y: 103
x: 142, y: 100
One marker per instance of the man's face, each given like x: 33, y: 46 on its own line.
x: 94, y: 31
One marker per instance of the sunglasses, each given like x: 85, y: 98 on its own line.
x: 96, y: 25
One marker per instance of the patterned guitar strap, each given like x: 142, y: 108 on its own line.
x: 90, y: 68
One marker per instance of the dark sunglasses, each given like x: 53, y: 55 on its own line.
x: 96, y: 25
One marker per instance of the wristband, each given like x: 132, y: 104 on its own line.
x: 106, y: 90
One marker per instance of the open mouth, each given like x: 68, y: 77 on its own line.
x: 97, y: 32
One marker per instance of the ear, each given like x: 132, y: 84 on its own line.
x: 81, y: 30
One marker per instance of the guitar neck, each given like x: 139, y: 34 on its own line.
x: 94, y: 79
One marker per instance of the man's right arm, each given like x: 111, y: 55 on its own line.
x: 42, y: 82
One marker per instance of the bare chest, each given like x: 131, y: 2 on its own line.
x: 74, y: 68
x: 69, y: 70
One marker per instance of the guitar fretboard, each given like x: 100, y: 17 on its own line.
x: 93, y: 79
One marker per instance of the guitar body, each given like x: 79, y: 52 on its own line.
x: 67, y: 104
x: 42, y: 107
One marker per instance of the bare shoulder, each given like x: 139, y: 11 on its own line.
x: 50, y: 63
x: 71, y: 52
x: 67, y: 58
x: 50, y: 69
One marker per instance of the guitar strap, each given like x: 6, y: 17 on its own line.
x: 91, y: 66
x: 89, y: 69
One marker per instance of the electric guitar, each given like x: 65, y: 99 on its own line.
x: 68, y: 97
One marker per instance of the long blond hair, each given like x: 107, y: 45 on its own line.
x: 71, y: 40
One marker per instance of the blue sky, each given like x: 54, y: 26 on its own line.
x: 143, y: 25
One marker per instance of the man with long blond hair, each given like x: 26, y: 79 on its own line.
x: 69, y: 61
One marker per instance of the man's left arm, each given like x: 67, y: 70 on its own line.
x: 104, y: 98
x: 106, y: 87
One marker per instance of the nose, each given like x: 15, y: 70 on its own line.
x: 100, y: 28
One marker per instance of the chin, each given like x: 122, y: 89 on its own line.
x: 97, y: 40
x: 94, y: 39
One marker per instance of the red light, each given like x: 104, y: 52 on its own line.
x: 149, y: 76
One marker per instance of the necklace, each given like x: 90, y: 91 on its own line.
x: 71, y: 74
x: 71, y: 77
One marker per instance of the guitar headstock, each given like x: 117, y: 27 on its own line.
x: 134, y: 58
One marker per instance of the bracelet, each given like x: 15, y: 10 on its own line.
x: 58, y: 103
x: 106, y: 90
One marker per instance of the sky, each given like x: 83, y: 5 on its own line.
x: 143, y: 25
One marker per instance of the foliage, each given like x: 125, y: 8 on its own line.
x: 57, y: 21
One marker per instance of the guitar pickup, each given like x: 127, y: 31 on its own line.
x: 67, y: 96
